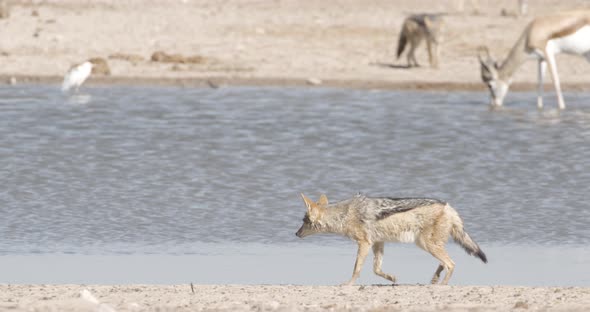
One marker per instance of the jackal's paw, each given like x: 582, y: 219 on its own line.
x: 434, y: 280
x: 349, y: 283
x: 391, y: 278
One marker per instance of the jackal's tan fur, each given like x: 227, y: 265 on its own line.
x: 372, y: 221
x: 420, y: 27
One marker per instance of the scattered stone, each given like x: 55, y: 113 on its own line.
x: 314, y: 81
x: 4, y: 9
x: 521, y: 305
x: 87, y: 296
x: 195, y: 59
x: 506, y: 13
x: 212, y: 84
x: 103, y: 307
x: 133, y: 58
x: 12, y: 81
x: 260, y: 31
x: 57, y: 38
x: 101, y: 67
x: 35, y: 13
x: 273, y: 305
x: 163, y: 57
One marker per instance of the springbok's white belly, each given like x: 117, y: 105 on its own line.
x: 576, y: 43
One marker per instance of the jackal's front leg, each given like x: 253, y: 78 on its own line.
x: 412, y: 62
x: 360, y: 259
x: 433, y: 53
x: 378, y: 260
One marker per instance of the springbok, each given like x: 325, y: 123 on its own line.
x: 542, y: 39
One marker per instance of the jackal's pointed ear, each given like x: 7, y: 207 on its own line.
x: 308, y: 202
x: 323, y: 200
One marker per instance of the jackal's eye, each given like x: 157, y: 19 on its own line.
x: 306, y: 219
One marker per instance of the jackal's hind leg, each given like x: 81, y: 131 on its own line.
x: 409, y: 57
x: 436, y: 276
x: 378, y: 260
x: 412, y: 62
x: 447, y: 263
x: 437, y: 249
x: 360, y: 260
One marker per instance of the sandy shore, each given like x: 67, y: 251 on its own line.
x: 288, y: 42
x: 292, y: 298
x: 342, y: 43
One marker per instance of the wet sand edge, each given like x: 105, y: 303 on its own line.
x: 220, y: 81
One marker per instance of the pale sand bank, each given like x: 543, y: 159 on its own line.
x: 288, y: 42
x: 293, y: 298
x: 222, y: 81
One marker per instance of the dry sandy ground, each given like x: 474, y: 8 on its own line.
x: 292, y: 298
x: 281, y: 42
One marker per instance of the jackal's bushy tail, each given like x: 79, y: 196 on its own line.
x: 463, y: 239
x: 402, y: 41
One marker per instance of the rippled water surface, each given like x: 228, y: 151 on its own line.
x: 164, y: 170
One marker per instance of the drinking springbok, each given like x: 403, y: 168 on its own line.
x: 542, y: 39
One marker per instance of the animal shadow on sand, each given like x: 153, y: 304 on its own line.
x: 362, y: 287
x: 391, y: 65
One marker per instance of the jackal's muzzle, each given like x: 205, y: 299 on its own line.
x: 303, y: 231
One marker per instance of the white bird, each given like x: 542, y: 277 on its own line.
x: 76, y: 76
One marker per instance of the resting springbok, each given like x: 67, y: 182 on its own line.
x: 542, y: 39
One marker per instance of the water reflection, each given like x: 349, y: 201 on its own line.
x: 79, y: 99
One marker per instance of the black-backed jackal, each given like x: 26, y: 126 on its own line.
x: 372, y: 221
x: 420, y: 27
